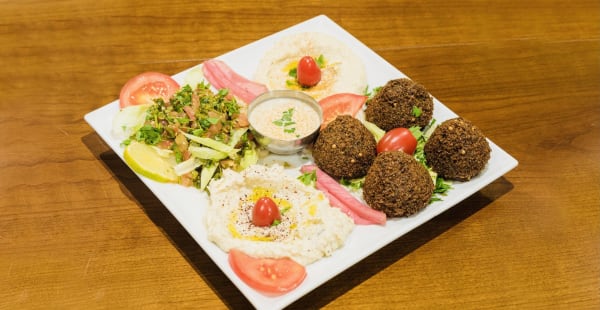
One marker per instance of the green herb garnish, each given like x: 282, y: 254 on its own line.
x: 283, y: 210
x: 320, y: 61
x: 308, y: 178
x: 293, y: 72
x: 353, y: 184
x: 286, y: 121
x: 148, y: 135
x: 371, y: 92
x: 416, y: 111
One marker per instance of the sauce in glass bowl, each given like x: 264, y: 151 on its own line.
x: 285, y: 121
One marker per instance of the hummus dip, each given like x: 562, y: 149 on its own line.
x: 309, y: 229
x: 343, y: 71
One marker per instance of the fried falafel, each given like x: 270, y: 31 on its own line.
x: 457, y: 150
x: 345, y: 148
x: 397, y: 184
x: 400, y: 103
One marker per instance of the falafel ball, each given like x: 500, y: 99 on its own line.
x: 457, y: 150
x: 400, y: 103
x: 397, y: 184
x: 345, y: 148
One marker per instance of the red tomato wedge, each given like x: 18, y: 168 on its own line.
x: 397, y: 139
x: 220, y: 76
x: 330, y: 185
x: 272, y: 276
x: 145, y: 87
x: 340, y: 104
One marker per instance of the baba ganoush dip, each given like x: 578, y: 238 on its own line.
x: 309, y: 228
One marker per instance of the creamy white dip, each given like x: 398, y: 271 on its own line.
x: 344, y: 71
x: 309, y: 229
x: 284, y: 118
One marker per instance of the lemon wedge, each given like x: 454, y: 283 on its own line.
x: 145, y: 160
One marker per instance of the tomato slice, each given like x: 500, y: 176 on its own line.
x: 340, y: 104
x: 145, y: 87
x: 397, y: 139
x: 272, y: 276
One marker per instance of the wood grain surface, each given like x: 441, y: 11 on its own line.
x: 79, y: 230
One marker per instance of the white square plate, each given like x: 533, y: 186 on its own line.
x: 187, y: 204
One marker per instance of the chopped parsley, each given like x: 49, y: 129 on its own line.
x: 198, y: 112
x: 370, y: 93
x: 148, y: 135
x: 353, y: 184
x: 308, y: 178
x: 416, y: 111
x: 286, y: 121
x: 320, y: 61
x: 192, y: 111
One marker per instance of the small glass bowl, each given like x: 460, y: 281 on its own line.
x: 279, y: 145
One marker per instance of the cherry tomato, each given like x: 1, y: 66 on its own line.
x: 273, y: 276
x: 340, y: 104
x: 397, y: 139
x: 308, y: 72
x: 265, y: 212
x: 145, y: 87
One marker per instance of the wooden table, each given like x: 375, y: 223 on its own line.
x: 79, y: 230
